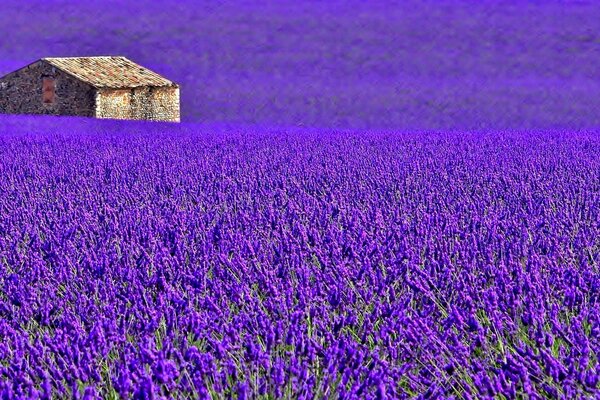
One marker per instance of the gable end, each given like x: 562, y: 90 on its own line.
x: 41, y: 88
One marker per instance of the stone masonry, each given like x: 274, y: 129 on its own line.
x: 149, y: 103
x: 21, y: 92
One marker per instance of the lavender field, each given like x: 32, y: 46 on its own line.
x: 140, y: 260
x: 364, y: 201
x: 339, y: 63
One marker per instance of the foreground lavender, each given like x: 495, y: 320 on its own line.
x: 318, y: 264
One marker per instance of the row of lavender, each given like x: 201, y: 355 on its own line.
x: 371, y: 265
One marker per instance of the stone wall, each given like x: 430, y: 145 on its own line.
x: 113, y: 103
x: 21, y: 92
x: 143, y: 103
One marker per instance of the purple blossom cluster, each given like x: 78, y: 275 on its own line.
x: 157, y: 261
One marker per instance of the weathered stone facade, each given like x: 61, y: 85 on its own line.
x: 21, y: 92
x: 101, y: 87
x: 147, y: 103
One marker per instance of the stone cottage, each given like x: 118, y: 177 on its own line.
x: 100, y: 87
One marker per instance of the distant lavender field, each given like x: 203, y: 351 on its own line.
x: 370, y: 64
x: 364, y: 201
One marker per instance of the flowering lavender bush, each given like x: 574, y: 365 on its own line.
x: 147, y: 260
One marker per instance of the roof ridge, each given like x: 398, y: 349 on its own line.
x: 71, y: 57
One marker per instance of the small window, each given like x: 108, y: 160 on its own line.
x: 48, y: 90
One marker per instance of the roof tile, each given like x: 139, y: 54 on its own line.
x: 109, y: 72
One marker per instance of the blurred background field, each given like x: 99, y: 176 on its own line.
x: 382, y: 64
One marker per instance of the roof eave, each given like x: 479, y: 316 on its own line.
x: 174, y: 86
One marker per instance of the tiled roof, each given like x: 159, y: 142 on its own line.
x: 109, y: 72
